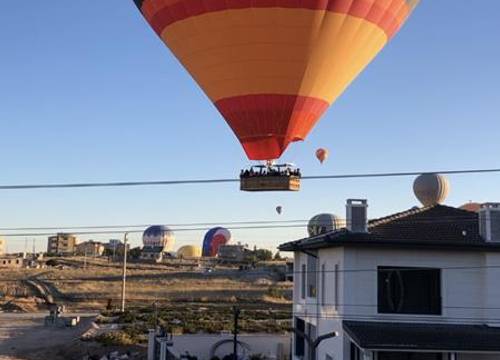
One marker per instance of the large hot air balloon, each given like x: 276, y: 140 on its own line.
x: 214, y: 239
x: 323, y: 223
x: 272, y: 67
x: 159, y: 236
x: 431, y: 189
x: 322, y: 154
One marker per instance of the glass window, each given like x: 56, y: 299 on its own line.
x: 409, y: 290
x: 312, y: 273
x: 303, y: 282
x: 299, y: 340
x: 336, y: 286
x: 323, y: 284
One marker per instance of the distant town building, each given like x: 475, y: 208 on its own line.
x: 233, y: 253
x: 11, y: 261
x: 2, y: 247
x: 62, y: 244
x: 90, y: 248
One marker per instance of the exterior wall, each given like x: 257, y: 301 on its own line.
x: 11, y: 262
x: 90, y: 248
x: 468, y: 289
x: 61, y: 244
x: 478, y: 357
x: 309, y: 308
x: 462, y: 289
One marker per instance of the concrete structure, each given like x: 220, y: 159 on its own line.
x: 2, y: 246
x: 90, y: 248
x: 233, y: 253
x: 154, y: 254
x: 62, y: 244
x: 205, y: 346
x: 11, y: 262
x: 419, y: 285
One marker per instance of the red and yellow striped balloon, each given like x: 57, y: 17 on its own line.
x: 272, y: 67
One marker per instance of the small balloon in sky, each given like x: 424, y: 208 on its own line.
x: 322, y: 154
x: 279, y: 209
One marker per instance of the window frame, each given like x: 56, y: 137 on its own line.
x: 435, y: 305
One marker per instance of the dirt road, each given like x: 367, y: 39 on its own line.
x: 24, y: 336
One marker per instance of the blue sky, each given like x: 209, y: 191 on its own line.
x: 89, y: 93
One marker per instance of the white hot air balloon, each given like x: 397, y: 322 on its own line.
x: 323, y: 223
x: 431, y: 189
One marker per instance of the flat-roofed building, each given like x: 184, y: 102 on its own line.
x: 62, y: 244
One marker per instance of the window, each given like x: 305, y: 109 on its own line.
x: 355, y: 352
x: 303, y: 282
x: 312, y: 273
x: 336, y: 286
x: 409, y: 290
x: 323, y: 284
x: 409, y: 356
x: 299, y: 340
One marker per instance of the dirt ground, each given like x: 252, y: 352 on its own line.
x: 24, y: 337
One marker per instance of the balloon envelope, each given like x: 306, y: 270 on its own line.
x: 159, y: 236
x: 279, y: 209
x: 323, y: 223
x: 322, y: 154
x: 431, y: 189
x: 189, y: 251
x: 214, y: 239
x: 273, y: 67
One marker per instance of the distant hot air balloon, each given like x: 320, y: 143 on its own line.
x: 323, y: 223
x: 272, y: 68
x: 322, y: 154
x: 189, y: 251
x: 279, y: 209
x: 214, y: 239
x: 471, y: 206
x: 431, y: 189
x: 159, y: 236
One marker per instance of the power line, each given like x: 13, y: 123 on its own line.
x: 256, y: 227
x: 220, y: 223
x: 227, y: 180
x: 252, y: 225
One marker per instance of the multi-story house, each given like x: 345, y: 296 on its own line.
x: 62, y: 244
x: 90, y: 248
x: 423, y: 284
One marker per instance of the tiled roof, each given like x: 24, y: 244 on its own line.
x: 436, y: 226
x: 437, y: 223
x: 424, y: 337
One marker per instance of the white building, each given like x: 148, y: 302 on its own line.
x: 2, y: 246
x: 423, y: 284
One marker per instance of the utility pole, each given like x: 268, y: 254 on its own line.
x: 236, y: 312
x: 124, y: 271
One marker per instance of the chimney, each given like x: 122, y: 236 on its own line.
x: 489, y: 222
x: 357, y: 215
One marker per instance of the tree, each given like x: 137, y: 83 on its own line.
x: 277, y: 256
x: 263, y: 255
